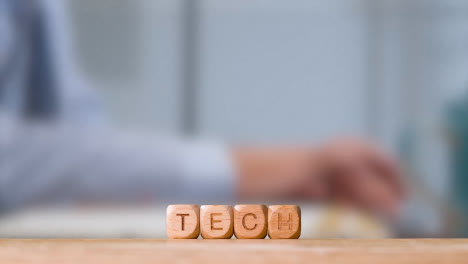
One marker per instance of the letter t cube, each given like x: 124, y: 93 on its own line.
x: 183, y: 221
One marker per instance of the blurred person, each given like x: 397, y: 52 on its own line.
x: 55, y: 148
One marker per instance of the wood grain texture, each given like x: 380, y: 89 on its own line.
x: 390, y: 251
x: 284, y: 221
x: 183, y: 221
x: 216, y: 221
x: 250, y: 221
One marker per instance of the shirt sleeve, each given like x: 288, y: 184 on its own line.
x: 207, y: 170
x: 49, y: 165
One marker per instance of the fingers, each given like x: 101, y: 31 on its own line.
x: 384, y: 166
x: 375, y: 194
x: 368, y: 178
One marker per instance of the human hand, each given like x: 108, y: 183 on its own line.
x: 346, y: 171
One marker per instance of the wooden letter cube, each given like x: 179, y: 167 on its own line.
x: 250, y: 221
x: 284, y: 221
x: 216, y: 221
x: 183, y: 221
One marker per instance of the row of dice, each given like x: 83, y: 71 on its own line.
x: 244, y: 221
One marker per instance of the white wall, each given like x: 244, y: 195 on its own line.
x: 283, y: 70
x: 268, y: 71
x: 130, y: 50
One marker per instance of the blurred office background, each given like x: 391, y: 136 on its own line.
x: 303, y: 71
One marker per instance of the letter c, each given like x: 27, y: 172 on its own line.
x: 243, y: 221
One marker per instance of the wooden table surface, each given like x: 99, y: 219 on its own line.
x: 140, y: 251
